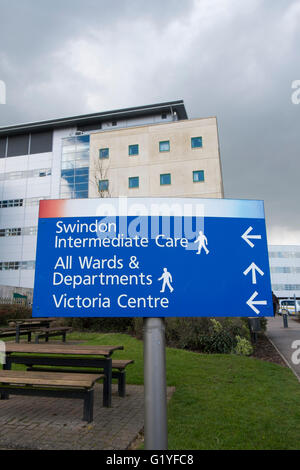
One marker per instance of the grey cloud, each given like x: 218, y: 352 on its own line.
x: 235, y: 60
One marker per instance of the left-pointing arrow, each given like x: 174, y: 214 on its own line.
x: 253, y: 268
x: 251, y: 302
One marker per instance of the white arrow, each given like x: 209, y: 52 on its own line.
x: 254, y: 268
x: 247, y: 237
x: 251, y: 302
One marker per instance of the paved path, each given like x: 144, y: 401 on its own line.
x: 56, y: 423
x: 283, y: 339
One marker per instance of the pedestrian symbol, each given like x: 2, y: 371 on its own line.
x: 166, y: 278
x: 202, y: 240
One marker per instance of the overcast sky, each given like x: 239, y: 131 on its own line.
x: 227, y: 58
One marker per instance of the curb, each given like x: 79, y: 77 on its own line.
x: 283, y: 358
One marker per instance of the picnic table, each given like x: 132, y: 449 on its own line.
x: 29, y: 325
x: 98, y: 357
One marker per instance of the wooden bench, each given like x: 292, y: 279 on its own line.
x: 49, y: 384
x: 8, y: 332
x: 120, y: 373
x: 53, y: 331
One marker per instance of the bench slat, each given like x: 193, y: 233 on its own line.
x: 49, y: 330
x: 116, y: 364
x: 121, y: 363
x: 49, y: 378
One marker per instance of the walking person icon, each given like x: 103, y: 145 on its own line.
x: 202, y: 240
x: 166, y: 278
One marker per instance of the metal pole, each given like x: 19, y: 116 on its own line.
x: 155, y: 387
x: 285, y: 319
x: 295, y: 302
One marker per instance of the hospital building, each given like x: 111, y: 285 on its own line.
x: 143, y: 151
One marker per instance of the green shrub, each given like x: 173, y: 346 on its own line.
x: 13, y: 311
x: 208, y: 335
x: 243, y: 346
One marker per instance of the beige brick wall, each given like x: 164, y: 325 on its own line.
x: 180, y: 161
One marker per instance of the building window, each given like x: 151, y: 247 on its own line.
x: 114, y: 123
x: 104, y: 153
x: 16, y: 265
x: 133, y: 149
x: 41, y: 142
x: 164, y: 115
x: 165, y: 179
x: 42, y: 173
x: 103, y: 185
x: 164, y: 146
x: 198, y: 176
x: 10, y: 232
x: 11, y: 203
x: 74, y: 181
x: 196, y: 142
x: 133, y: 182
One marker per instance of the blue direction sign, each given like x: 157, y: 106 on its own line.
x: 152, y: 258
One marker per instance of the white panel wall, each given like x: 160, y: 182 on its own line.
x: 289, y: 262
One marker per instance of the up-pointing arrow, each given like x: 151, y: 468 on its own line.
x: 253, y: 268
x: 247, y: 237
x: 251, y: 302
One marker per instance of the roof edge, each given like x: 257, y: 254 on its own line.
x: 177, y: 106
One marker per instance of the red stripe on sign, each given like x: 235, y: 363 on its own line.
x: 52, y: 208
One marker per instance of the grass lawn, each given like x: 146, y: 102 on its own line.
x: 221, y: 401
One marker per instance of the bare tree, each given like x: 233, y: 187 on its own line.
x: 100, y: 173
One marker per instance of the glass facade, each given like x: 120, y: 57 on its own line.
x: 74, y: 182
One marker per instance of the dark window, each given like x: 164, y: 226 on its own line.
x: 133, y: 149
x: 41, y: 142
x: 165, y: 179
x: 103, y: 185
x: 90, y: 127
x: 198, y: 176
x: 114, y: 123
x: 164, y: 115
x: 104, y: 153
x: 133, y: 182
x: 196, y: 142
x: 2, y: 147
x: 18, y: 145
x: 164, y: 146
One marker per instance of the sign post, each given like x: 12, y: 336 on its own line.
x: 156, y: 433
x: 152, y: 258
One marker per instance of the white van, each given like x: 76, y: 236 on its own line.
x: 289, y: 306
